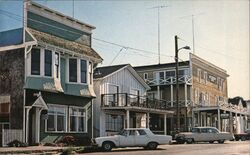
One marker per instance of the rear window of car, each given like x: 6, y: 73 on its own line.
x: 142, y: 132
x: 195, y: 130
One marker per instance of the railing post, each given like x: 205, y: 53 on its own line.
x: 114, y: 101
x: 126, y: 99
x: 102, y: 104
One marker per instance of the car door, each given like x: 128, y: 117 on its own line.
x: 203, y: 135
x: 141, y: 138
x: 127, y: 138
x: 211, y: 135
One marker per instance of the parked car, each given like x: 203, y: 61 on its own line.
x: 243, y: 136
x: 132, y: 137
x: 203, y: 134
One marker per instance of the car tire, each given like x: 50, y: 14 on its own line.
x: 189, y: 140
x: 243, y: 138
x: 107, y: 146
x: 211, y: 142
x: 221, y: 141
x: 152, y: 145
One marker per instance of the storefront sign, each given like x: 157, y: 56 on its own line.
x: 224, y: 116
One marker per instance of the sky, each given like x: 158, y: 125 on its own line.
x: 221, y: 31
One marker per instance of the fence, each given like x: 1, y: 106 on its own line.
x: 8, y: 135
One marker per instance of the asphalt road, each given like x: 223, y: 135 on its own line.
x: 228, y: 148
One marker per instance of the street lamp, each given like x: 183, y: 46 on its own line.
x: 177, y: 81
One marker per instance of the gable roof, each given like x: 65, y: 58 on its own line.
x: 103, y: 72
x: 236, y: 101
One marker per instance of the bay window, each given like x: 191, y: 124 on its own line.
x: 57, y: 64
x: 72, y: 70
x: 90, y: 73
x: 48, y: 63
x: 35, y: 61
x: 83, y: 71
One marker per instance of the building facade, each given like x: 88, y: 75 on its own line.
x: 202, y: 93
x: 47, y: 68
x: 121, y: 102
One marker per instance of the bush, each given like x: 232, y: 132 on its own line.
x: 17, y: 143
x: 67, y: 141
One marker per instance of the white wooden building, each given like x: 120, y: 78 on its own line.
x: 121, y: 101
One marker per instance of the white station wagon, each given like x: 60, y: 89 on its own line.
x: 203, y: 134
x: 132, y: 137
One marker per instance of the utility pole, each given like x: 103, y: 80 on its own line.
x: 159, y: 45
x: 177, y: 85
x: 177, y: 81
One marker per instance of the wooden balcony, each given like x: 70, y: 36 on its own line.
x: 183, y: 79
x: 122, y: 100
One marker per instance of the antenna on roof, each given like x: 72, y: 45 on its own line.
x: 158, y: 9
x: 73, y: 8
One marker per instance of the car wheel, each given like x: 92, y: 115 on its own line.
x: 211, y: 142
x: 107, y: 146
x: 243, y: 138
x: 221, y: 141
x: 152, y: 145
x: 189, y: 141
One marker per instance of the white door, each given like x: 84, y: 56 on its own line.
x: 141, y: 138
x: 127, y: 138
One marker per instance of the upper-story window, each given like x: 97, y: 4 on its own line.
x: 199, y: 74
x: 78, y: 70
x: 170, y: 73
x: 72, y: 70
x: 35, y: 61
x: 205, y: 77
x: 145, y: 76
x: 90, y: 73
x: 47, y: 63
x: 183, y: 72
x: 83, y: 71
x: 57, y: 59
x: 161, y: 75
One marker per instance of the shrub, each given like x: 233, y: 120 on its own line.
x: 17, y: 143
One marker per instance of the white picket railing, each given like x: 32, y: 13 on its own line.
x: 8, y: 135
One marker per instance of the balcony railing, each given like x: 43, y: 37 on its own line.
x: 124, y: 100
x: 187, y: 79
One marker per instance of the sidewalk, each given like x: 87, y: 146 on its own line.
x: 30, y: 150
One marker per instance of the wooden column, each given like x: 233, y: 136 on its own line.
x: 218, y: 117
x: 127, y: 114
x: 165, y: 124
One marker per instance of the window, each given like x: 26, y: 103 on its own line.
x: 56, y: 118
x: 57, y: 64
x: 77, y: 119
x: 145, y: 76
x: 72, y: 70
x: 161, y: 75
x: 114, y: 123
x: 142, y: 132
x: 83, y: 71
x: 205, y: 77
x: 170, y: 74
x: 48, y: 63
x: 4, y: 108
x: 195, y: 130
x: 203, y: 130
x: 199, y: 74
x: 35, y: 61
x: 90, y: 73
x: 183, y: 72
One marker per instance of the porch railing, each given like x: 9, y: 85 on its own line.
x: 9, y: 135
x: 187, y: 79
x: 124, y: 99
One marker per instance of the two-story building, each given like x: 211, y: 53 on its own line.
x: 202, y: 93
x: 46, y: 71
x: 121, y: 102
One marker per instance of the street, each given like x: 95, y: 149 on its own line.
x: 228, y: 148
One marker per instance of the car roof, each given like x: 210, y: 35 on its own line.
x: 202, y: 127
x: 136, y: 129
